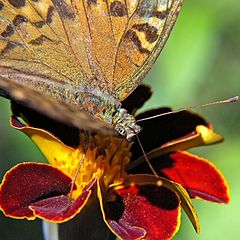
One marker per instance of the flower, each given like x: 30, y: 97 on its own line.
x: 134, y: 203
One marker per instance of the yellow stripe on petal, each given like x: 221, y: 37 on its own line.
x: 208, y: 135
x: 201, y: 136
x: 51, y: 147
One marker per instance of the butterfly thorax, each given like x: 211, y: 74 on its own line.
x: 125, y: 124
x: 109, y: 110
x: 100, y: 105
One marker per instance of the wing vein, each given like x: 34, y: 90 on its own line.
x: 39, y: 62
x: 90, y: 35
x: 39, y: 14
x: 121, y: 39
x: 69, y: 42
x: 155, y: 52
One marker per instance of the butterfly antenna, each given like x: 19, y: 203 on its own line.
x: 146, y: 158
x: 87, y: 137
x: 228, y: 100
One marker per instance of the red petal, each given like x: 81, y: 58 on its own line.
x: 197, y: 175
x: 125, y: 231
x: 153, y: 209
x: 61, y: 208
x: 27, y: 183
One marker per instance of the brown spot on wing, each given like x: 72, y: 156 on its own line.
x: 8, y: 31
x: 1, y: 5
x: 48, y: 20
x: 91, y: 2
x: 160, y: 14
x: 151, y: 33
x: 15, y: 23
x: 10, y: 45
x: 18, y: 20
x: 17, y: 3
x: 118, y: 9
x: 63, y: 9
x: 133, y: 37
x: 40, y: 40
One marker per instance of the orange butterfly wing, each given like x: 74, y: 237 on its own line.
x: 147, y: 30
x: 106, y: 45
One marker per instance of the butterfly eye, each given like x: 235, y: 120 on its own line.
x: 122, y: 131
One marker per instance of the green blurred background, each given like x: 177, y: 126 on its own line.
x: 200, y: 64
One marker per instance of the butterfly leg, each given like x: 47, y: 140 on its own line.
x: 86, y: 145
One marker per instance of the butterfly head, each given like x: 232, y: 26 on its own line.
x: 126, y: 125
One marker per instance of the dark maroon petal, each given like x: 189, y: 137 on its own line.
x: 30, y: 182
x: 137, y: 98
x: 161, y: 130
x: 67, y: 134
x: 61, y: 208
x: 150, y: 208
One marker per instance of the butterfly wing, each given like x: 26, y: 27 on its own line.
x: 53, y: 108
x: 42, y: 38
x: 148, y: 27
x: 124, y: 39
x: 108, y: 45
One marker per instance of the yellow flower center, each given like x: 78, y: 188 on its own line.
x: 105, y: 159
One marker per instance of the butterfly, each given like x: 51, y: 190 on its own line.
x: 77, y: 60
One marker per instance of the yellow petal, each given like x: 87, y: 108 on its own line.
x: 51, y: 147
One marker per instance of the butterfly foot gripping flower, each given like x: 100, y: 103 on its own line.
x: 115, y: 193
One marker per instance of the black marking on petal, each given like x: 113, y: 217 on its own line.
x: 133, y: 37
x: 151, y: 33
x: 17, y: 3
x: 118, y: 9
x: 63, y: 9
